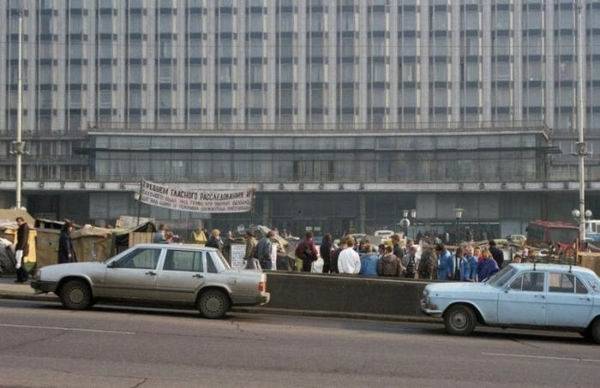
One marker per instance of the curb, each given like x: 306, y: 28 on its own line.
x: 337, y: 314
x: 267, y: 310
x: 18, y: 296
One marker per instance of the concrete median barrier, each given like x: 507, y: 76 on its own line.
x: 344, y: 294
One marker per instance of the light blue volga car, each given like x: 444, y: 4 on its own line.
x: 543, y: 296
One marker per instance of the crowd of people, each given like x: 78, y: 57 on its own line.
x: 394, y: 258
x: 428, y: 259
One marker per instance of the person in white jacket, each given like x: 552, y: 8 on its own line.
x: 349, y: 260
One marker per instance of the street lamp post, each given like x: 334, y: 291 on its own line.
x: 581, y: 145
x: 405, y: 222
x: 577, y: 216
x: 413, y: 216
x: 458, y: 212
x: 407, y: 216
x: 19, y: 149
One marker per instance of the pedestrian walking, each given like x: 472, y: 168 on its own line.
x: 160, y: 235
x: 264, y: 249
x: 369, y: 261
x: 335, y: 254
x: 307, y: 252
x: 349, y: 260
x: 457, y: 258
x: 487, y: 267
x: 66, y: 252
x: 398, y: 251
x: 445, y: 269
x: 427, y: 265
x: 411, y: 262
x: 214, y: 241
x: 22, y: 250
x: 497, y: 254
x: 325, y: 250
x: 389, y: 265
x: 250, y: 245
x: 468, y: 266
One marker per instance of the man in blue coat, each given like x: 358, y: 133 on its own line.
x: 445, y: 263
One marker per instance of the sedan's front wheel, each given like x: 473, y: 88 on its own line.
x: 460, y: 320
x: 75, y: 295
x: 213, y: 304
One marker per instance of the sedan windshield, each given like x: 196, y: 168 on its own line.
x: 592, y: 281
x: 502, y: 276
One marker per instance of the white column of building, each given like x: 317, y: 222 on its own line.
x: 363, y: 68
x: 331, y: 50
x: 394, y: 49
x: 517, y: 51
x: 91, y: 95
x: 549, y: 40
x: 487, y: 61
x: 209, y: 54
x: 456, y: 50
x: 271, y: 76
x: 240, y: 78
x: 29, y: 52
x: 423, y: 70
x: 3, y: 70
x: 181, y: 74
x: 301, y: 67
x: 119, y: 101
x: 59, y: 101
x: 149, y: 95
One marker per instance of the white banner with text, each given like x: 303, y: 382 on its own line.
x: 201, y: 201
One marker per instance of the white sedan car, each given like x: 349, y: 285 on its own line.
x: 545, y: 296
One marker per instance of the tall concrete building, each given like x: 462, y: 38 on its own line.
x: 342, y: 113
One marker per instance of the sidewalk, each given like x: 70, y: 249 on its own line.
x: 11, y: 290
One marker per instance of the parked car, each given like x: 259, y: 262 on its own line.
x: 542, y: 296
x: 158, y: 273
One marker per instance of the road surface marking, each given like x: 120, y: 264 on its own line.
x: 541, y: 357
x: 68, y: 329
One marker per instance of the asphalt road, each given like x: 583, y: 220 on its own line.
x: 43, y: 345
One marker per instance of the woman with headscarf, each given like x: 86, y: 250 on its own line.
x: 66, y: 252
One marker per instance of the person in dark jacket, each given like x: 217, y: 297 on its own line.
x: 411, y: 260
x: 326, y: 250
x: 389, y: 264
x: 497, y: 254
x: 397, y: 248
x: 307, y: 252
x: 214, y: 241
x: 264, y: 249
x: 22, y: 249
x: 335, y: 254
x: 427, y: 265
x: 66, y: 252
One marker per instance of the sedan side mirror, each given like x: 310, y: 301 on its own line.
x: 112, y: 264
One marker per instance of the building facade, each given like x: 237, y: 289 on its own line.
x: 256, y: 69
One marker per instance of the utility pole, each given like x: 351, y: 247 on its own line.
x: 581, y: 112
x: 19, y: 144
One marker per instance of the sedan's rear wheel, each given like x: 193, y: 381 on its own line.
x: 460, y: 320
x: 213, y: 304
x: 75, y: 295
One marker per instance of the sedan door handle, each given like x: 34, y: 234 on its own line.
x: 540, y: 296
x: 198, y: 276
x: 151, y: 273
